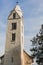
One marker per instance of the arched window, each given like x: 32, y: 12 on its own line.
x: 13, y: 36
x: 14, y: 26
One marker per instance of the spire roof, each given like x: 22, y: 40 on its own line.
x: 18, y: 10
x: 18, y: 7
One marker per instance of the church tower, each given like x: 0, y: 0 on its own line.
x: 14, y: 38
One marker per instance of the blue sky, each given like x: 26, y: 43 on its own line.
x: 33, y: 18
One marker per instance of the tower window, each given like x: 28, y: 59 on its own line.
x: 13, y: 25
x: 13, y: 37
x: 14, y: 15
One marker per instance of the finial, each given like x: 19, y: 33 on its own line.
x: 17, y: 2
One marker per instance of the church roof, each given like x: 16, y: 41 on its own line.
x: 1, y: 56
x: 28, y: 54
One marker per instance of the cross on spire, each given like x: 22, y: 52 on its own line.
x: 17, y: 2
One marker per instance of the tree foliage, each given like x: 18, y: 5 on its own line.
x: 37, y: 44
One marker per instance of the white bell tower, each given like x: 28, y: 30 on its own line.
x: 14, y: 38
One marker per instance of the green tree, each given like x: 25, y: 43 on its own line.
x: 37, y: 47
